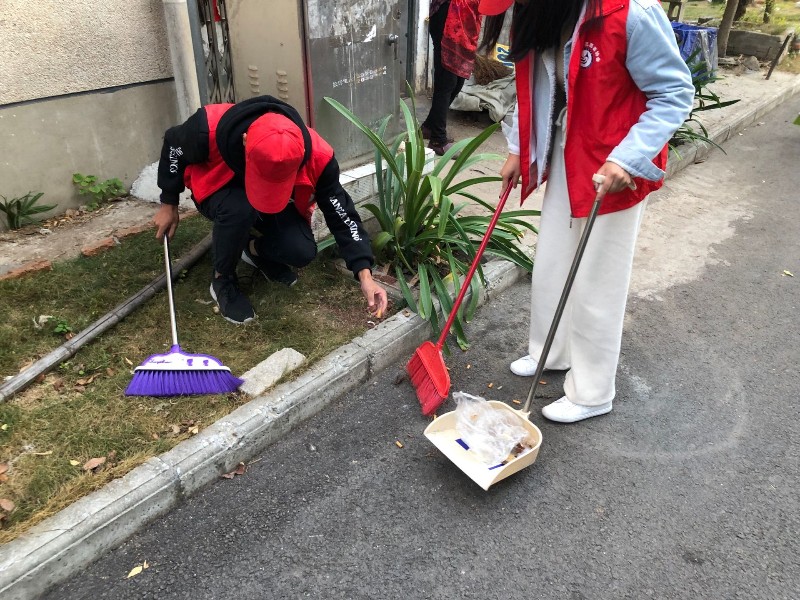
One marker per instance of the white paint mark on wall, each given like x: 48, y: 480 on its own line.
x: 371, y: 35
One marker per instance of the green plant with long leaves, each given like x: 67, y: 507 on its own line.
x: 692, y: 131
x: 425, y: 234
x: 20, y: 211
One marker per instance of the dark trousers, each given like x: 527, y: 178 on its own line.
x: 446, y: 85
x: 286, y: 237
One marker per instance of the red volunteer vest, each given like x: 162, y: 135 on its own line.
x: 603, y: 104
x: 206, y: 178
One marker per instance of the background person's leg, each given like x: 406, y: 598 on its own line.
x: 445, y: 84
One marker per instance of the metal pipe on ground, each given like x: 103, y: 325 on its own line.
x: 70, y: 347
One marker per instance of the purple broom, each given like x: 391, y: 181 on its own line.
x: 177, y: 373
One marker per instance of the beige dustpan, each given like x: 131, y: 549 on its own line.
x: 443, y: 433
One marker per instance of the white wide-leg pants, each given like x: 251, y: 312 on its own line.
x: 589, y: 336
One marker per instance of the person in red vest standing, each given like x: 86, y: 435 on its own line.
x: 255, y: 166
x: 601, y: 89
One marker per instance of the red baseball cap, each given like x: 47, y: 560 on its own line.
x: 273, y: 152
x: 494, y: 7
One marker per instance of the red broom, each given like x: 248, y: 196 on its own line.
x: 426, y: 368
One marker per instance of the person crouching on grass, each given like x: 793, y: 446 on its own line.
x: 256, y: 166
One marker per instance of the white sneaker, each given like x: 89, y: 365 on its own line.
x: 564, y: 411
x: 525, y: 366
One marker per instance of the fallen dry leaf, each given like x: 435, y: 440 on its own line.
x: 542, y: 382
x: 69, y: 335
x: 490, y: 385
x: 110, y: 372
x: 40, y: 378
x: 7, y: 505
x: 58, y: 384
x: 240, y: 469
x: 137, y: 569
x: 93, y: 463
x: 155, y: 436
x: 128, y: 361
x: 74, y: 462
x: 398, y: 443
x: 517, y: 401
x: 86, y: 380
x: 4, y: 426
x: 175, y: 429
x: 788, y: 273
x: 48, y: 453
x: 193, y: 430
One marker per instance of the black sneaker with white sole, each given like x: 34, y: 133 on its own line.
x: 233, y: 304
x: 270, y: 269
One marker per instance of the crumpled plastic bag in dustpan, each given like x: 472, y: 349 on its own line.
x: 491, y: 434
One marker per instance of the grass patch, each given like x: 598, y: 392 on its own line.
x: 79, y: 412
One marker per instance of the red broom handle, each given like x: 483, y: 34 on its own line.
x: 473, y: 267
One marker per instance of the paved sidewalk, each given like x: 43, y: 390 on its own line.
x: 59, y: 547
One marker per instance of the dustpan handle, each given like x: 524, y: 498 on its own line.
x: 473, y: 267
x: 168, y: 267
x: 563, y: 301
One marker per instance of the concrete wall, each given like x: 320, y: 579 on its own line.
x: 52, y: 47
x: 113, y: 134
x: 84, y: 87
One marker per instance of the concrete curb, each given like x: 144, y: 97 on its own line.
x: 59, y: 547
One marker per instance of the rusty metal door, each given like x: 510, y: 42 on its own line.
x: 357, y: 54
x: 216, y: 82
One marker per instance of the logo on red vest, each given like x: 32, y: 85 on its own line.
x: 589, y: 55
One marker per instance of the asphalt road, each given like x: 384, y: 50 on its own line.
x: 688, y: 489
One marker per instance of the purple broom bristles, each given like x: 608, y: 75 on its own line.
x: 180, y: 374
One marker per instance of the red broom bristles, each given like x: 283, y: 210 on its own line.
x: 428, y: 390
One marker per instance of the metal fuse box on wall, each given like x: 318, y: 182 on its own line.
x: 303, y: 50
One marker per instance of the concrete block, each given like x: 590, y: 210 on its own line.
x: 337, y: 373
x: 266, y: 373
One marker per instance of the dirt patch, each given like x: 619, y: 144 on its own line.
x: 63, y: 237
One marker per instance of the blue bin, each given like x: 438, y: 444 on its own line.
x: 698, y: 47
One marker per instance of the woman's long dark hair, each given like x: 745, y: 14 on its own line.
x: 537, y: 25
